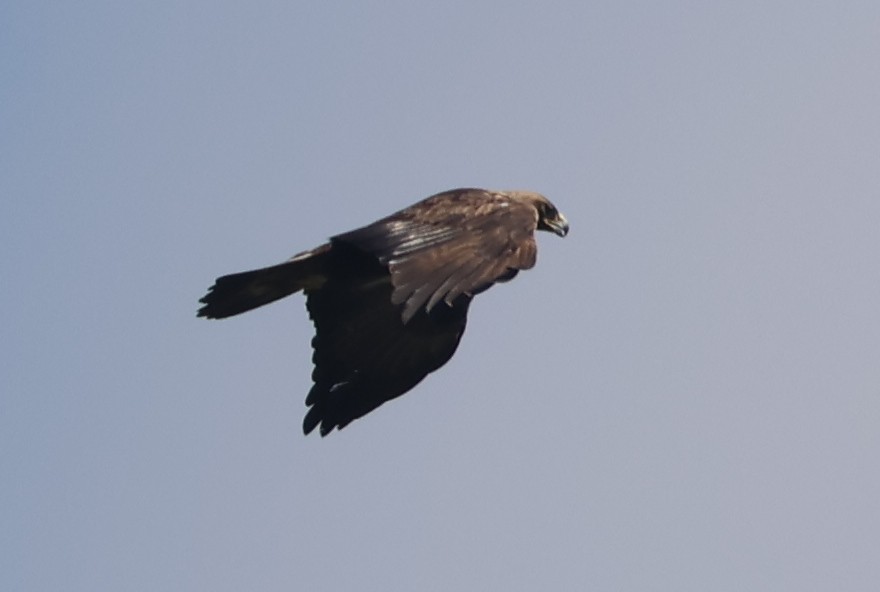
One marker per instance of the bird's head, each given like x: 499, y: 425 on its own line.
x: 550, y: 219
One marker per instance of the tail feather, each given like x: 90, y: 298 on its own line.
x: 240, y: 292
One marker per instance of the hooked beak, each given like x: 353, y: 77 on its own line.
x: 559, y: 225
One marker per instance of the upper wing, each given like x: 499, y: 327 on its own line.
x: 454, y: 243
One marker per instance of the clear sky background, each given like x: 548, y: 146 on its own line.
x: 684, y: 394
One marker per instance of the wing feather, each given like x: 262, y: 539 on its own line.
x: 365, y: 355
x: 455, y: 243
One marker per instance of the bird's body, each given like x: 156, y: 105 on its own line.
x: 389, y: 300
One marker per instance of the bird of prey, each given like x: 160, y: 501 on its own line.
x: 389, y: 301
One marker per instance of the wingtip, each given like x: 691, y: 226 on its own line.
x: 315, y: 419
x: 311, y: 421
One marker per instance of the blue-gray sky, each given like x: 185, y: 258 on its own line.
x: 684, y: 394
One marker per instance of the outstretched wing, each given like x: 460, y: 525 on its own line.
x: 452, y: 244
x: 364, y: 354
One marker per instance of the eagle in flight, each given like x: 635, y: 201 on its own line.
x: 389, y: 301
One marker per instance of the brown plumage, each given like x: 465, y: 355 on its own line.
x: 389, y: 301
